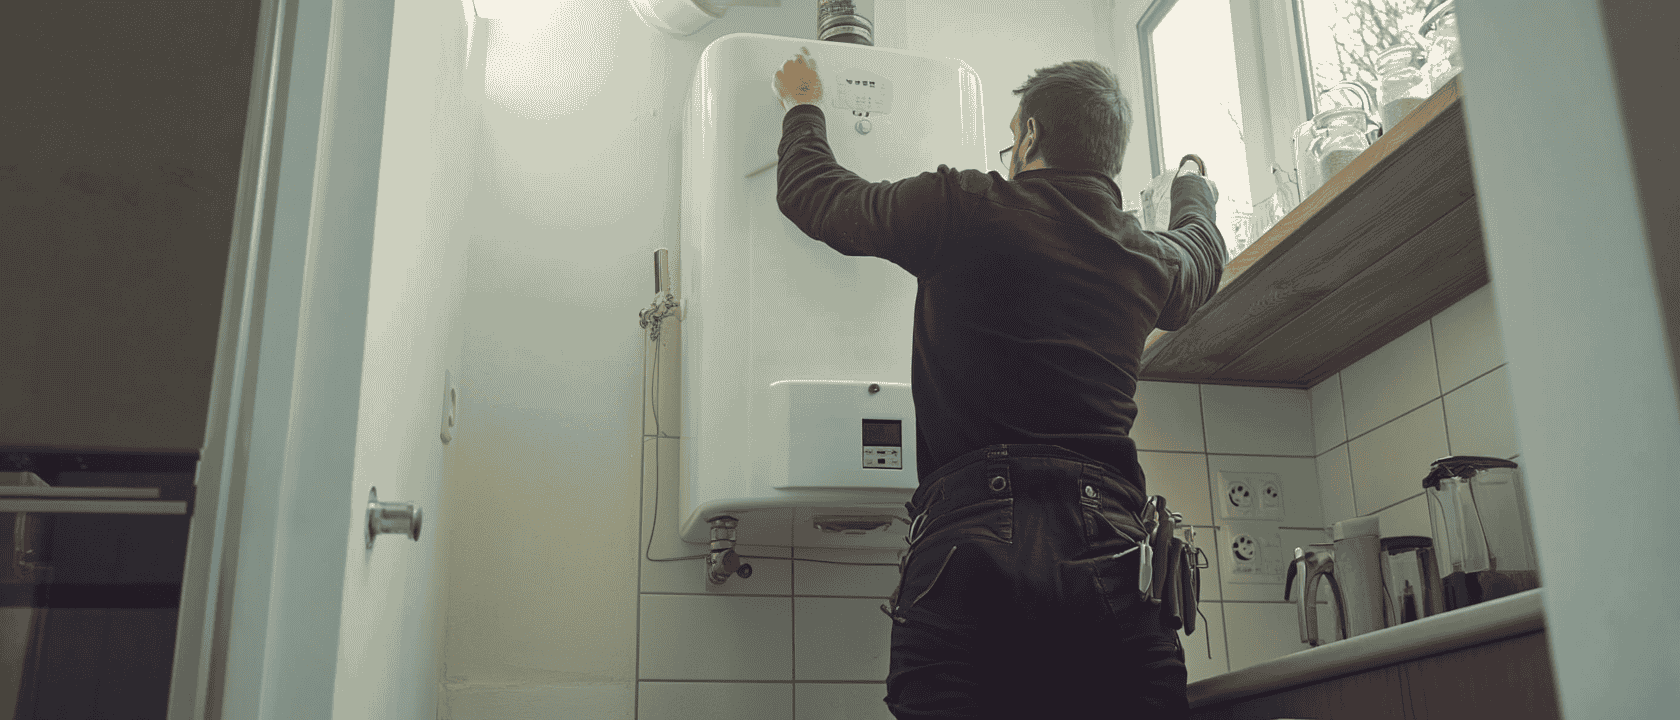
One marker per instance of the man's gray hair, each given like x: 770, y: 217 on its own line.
x: 1084, y: 120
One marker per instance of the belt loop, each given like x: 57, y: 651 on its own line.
x: 997, y: 469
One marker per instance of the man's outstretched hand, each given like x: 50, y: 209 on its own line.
x: 797, y: 82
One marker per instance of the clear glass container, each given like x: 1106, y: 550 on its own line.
x: 1307, y: 176
x: 1401, y: 86
x: 1341, y: 130
x: 1442, y: 60
x: 1285, y: 198
x: 1341, y: 136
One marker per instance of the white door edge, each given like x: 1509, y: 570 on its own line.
x: 263, y: 585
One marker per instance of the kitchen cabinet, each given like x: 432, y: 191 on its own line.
x: 1388, y: 242
x: 1510, y: 678
x: 120, y: 152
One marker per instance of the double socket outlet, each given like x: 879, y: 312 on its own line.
x: 1250, y: 496
x: 1251, y: 504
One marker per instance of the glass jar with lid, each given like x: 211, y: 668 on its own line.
x: 1401, y: 86
x: 1341, y: 130
x: 1442, y: 60
x: 1341, y: 136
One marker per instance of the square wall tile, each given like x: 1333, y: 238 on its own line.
x: 1183, y: 479
x: 841, y: 639
x: 1335, y: 485
x: 1169, y: 417
x: 1408, y: 518
x: 769, y: 577
x: 1204, y: 651
x: 866, y: 581
x: 1480, y: 419
x: 1389, y: 463
x: 714, y: 701
x: 840, y: 701
x: 700, y: 637
x: 1299, y: 476
x: 1257, y: 420
x: 1258, y: 632
x: 1391, y: 381
x: 1467, y: 338
x: 806, y: 534
x: 605, y: 701
x: 1329, y: 424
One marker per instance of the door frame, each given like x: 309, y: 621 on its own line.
x: 263, y: 588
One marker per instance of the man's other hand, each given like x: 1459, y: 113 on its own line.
x: 1193, y: 165
x: 797, y: 82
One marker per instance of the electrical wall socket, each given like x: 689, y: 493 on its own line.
x: 1253, y: 553
x: 1250, y: 496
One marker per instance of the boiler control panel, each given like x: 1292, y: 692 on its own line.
x: 864, y: 92
x: 883, y: 444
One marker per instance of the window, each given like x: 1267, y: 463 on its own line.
x: 1230, y: 80
x: 1193, y: 103
x: 1343, y: 37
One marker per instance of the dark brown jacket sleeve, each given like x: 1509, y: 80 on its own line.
x: 907, y: 222
x: 1200, y: 249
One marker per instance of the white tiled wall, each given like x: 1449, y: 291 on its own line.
x: 1438, y: 390
x: 1187, y: 435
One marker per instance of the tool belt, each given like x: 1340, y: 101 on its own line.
x: 1169, y: 566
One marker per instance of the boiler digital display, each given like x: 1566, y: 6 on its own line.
x: 883, y: 444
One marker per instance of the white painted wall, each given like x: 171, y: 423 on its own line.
x: 391, y: 639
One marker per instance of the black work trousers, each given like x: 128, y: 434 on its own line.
x: 1018, y: 597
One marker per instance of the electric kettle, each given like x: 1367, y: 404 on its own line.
x: 1354, y: 569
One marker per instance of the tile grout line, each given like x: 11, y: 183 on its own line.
x: 1391, y: 420
x: 1435, y: 352
x: 1207, y: 462
x: 1341, y: 399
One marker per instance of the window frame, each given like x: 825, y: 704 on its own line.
x: 1274, y: 80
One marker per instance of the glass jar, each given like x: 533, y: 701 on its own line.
x: 1401, y: 87
x: 1285, y: 198
x: 1341, y: 137
x: 1307, y: 176
x: 1442, y: 60
x: 1341, y: 130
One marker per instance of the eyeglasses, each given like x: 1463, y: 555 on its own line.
x: 1003, y: 155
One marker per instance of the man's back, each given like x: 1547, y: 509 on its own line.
x: 1035, y: 296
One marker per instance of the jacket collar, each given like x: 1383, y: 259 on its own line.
x: 1082, y: 177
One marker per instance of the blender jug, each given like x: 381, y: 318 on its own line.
x: 1479, y: 516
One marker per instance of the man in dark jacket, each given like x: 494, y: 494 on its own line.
x: 1022, y: 595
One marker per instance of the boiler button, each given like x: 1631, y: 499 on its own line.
x: 864, y: 126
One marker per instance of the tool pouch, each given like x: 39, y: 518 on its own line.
x: 1176, y: 584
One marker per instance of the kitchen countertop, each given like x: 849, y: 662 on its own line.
x: 1518, y: 614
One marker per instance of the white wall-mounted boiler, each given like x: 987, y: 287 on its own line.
x: 796, y: 359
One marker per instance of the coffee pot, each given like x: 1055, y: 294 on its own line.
x: 1479, y: 517
x: 1411, y: 585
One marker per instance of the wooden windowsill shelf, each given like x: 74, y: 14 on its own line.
x: 1388, y: 242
